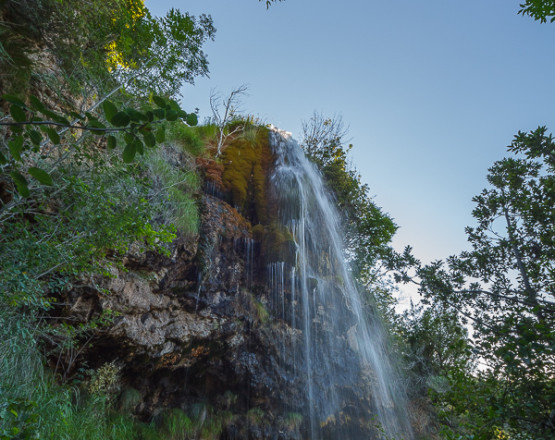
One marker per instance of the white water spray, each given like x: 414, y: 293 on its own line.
x: 338, y: 349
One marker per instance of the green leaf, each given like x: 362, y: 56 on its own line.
x: 171, y: 115
x: 20, y: 184
x: 35, y: 136
x: 150, y: 116
x: 75, y: 115
x: 16, y: 147
x: 135, y: 116
x: 111, y: 141
x: 96, y: 124
x: 41, y: 175
x: 3, y: 160
x: 159, y: 113
x: 161, y: 134
x: 150, y: 140
x: 109, y: 110
x: 139, y: 146
x: 120, y: 119
x: 36, y: 104
x: 129, y: 152
x: 57, y: 118
x: 192, y: 119
x: 14, y: 100
x: 160, y: 102
x: 174, y: 105
x: 129, y: 137
x: 53, y: 136
x: 18, y: 114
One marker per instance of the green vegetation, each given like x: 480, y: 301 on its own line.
x: 246, y: 167
x: 368, y: 230
x: 540, y: 10
x: 71, y: 205
x: 504, y: 289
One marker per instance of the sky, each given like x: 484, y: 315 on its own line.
x: 432, y: 91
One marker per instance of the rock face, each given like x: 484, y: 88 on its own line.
x: 217, y: 329
x: 193, y: 328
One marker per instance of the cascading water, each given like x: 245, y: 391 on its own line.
x: 334, y: 348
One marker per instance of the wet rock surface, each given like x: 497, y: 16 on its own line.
x: 217, y: 325
x: 192, y: 327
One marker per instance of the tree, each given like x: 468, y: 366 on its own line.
x: 109, y: 41
x: 504, y: 286
x: 368, y: 229
x: 541, y: 10
x: 225, y: 111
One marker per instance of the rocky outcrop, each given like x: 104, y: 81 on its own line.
x: 193, y: 328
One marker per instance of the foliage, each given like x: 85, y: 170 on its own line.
x: 109, y: 42
x: 246, y: 166
x: 504, y: 286
x: 138, y: 129
x: 368, y: 229
x: 541, y: 10
x: 174, y: 190
x: 436, y: 346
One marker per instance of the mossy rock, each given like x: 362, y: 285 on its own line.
x: 247, y: 164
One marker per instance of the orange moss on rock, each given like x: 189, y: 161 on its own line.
x: 212, y: 170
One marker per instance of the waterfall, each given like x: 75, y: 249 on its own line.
x: 335, y: 348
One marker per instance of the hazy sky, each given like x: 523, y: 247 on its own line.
x: 432, y: 91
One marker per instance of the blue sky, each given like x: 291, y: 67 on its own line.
x: 432, y: 91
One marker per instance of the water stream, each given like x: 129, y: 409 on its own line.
x: 337, y: 345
